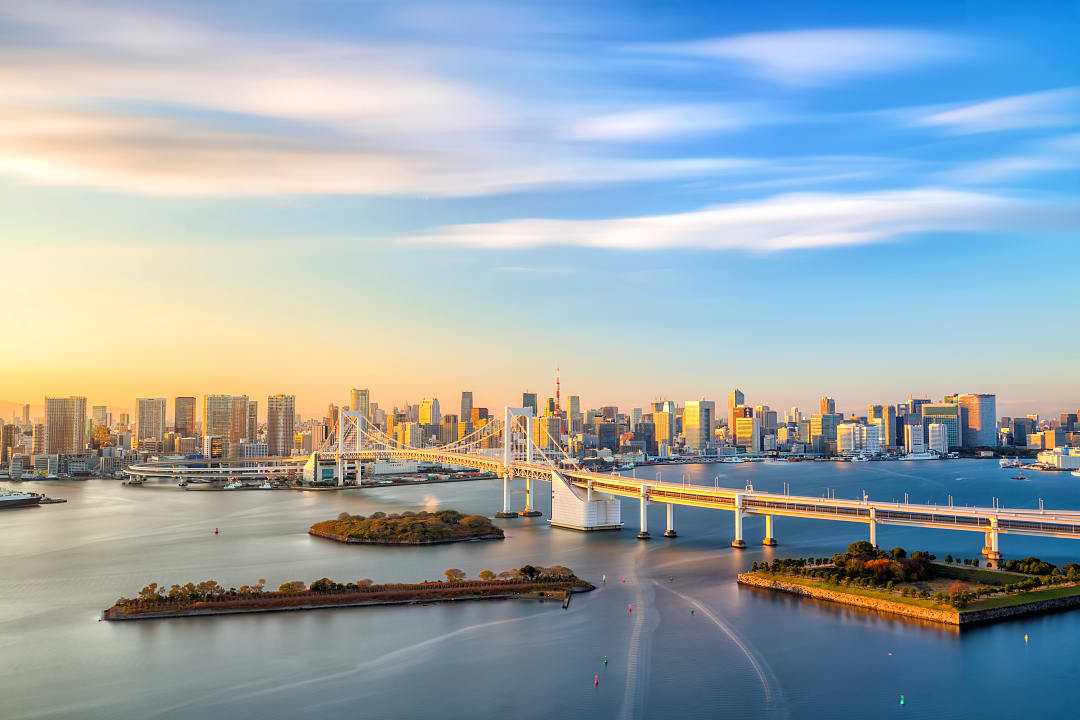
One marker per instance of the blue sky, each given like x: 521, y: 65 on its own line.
x: 861, y: 199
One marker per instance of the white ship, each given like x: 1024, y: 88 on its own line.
x: 234, y: 485
x: 266, y: 486
x: 17, y: 498
x: 920, y: 456
x: 1010, y: 462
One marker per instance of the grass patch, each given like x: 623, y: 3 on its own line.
x: 861, y: 591
x: 1024, y: 598
x: 977, y: 575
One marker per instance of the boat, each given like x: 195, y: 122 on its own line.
x: 860, y: 458
x: 266, y: 486
x: 18, y: 498
x: 234, y: 485
x: 1020, y: 476
x: 920, y: 456
x: 1010, y: 462
x: 1075, y: 473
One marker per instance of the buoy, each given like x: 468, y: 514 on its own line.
x: 902, y: 701
x: 603, y: 579
x: 1025, y: 637
x: 596, y: 680
x: 604, y: 659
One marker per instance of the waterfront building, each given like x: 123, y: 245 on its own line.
x: 664, y: 426
x: 280, y: 424
x: 65, y: 425
x: 215, y: 447
x: 748, y: 432
x: 606, y: 435
x: 429, y: 412
x: 149, y: 419
x: 914, y: 440
x: 645, y: 432
x: 979, y: 414
x: 1062, y: 458
x: 949, y: 415
x: 412, y: 434
x: 938, y: 436
x: 360, y: 401
x: 238, y: 421
x: 255, y: 449
x: 823, y: 429
x: 697, y: 423
x: 855, y: 437
x: 184, y: 416
x: 187, y: 445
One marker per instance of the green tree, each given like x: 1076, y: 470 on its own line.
x: 487, y: 575
x: 530, y: 572
x: 454, y: 575
x: 292, y: 586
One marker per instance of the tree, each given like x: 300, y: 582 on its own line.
x: 454, y: 575
x: 292, y: 586
x: 364, y: 582
x: 487, y: 575
x: 150, y: 592
x: 530, y: 572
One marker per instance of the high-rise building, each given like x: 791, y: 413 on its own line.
x: 184, y: 416
x: 280, y: 424
x: 794, y: 415
x: 852, y: 437
x: 100, y: 415
x: 939, y: 438
x: 150, y: 419
x: 949, y: 414
x: 65, y: 425
x: 37, y: 439
x: 7, y: 443
x: 528, y: 400
x: 914, y: 441
x: 664, y: 426
x: 748, y: 432
x: 979, y: 414
x: 252, y: 426
x: 915, y: 404
x: 736, y: 399
x: 823, y: 429
x: 26, y: 414
x: 827, y: 405
x: 698, y: 423
x: 217, y: 415
x: 429, y: 412
x: 238, y: 422
x: 448, y: 428
x: 888, y: 426
x: 360, y: 400
x: 466, y: 407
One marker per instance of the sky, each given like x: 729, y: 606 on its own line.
x: 866, y: 200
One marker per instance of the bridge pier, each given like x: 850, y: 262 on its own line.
x: 643, y: 532
x: 873, y: 527
x: 505, y: 512
x: 990, y: 549
x: 530, y: 510
x: 670, y: 532
x: 738, y: 542
x: 769, y: 539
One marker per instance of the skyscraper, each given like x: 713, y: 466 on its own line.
x: 827, y: 405
x: 184, y: 416
x: 65, y: 425
x: 280, y: 424
x: 429, y: 412
x: 949, y: 415
x: 252, y: 426
x: 735, y: 399
x: 528, y: 400
x: 100, y: 414
x: 217, y: 415
x: 466, y: 407
x: 697, y: 423
x: 980, y: 419
x: 238, y: 422
x: 26, y: 413
x: 360, y: 401
x: 150, y: 419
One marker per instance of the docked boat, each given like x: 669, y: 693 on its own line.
x: 920, y: 456
x: 266, y: 486
x: 1075, y: 473
x: 860, y: 458
x: 18, y: 498
x: 234, y: 485
x: 1009, y: 462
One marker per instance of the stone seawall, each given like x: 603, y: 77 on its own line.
x: 947, y: 617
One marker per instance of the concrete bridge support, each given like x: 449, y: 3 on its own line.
x: 530, y: 503
x: 738, y: 542
x: 577, y: 509
x: 873, y: 527
x: 770, y: 539
x: 643, y: 533
x: 990, y: 548
x: 670, y: 532
x: 505, y: 512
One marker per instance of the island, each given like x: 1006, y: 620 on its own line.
x: 954, y: 592
x: 407, y: 528
x: 530, y: 582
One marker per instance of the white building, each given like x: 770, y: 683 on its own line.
x: 939, y: 438
x: 1063, y: 458
x: 150, y: 422
x: 852, y: 438
x: 913, y: 439
x: 254, y: 449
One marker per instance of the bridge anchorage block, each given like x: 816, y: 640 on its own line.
x: 643, y: 535
x: 530, y: 513
x: 502, y: 514
x: 769, y: 542
x: 670, y: 534
x: 738, y: 544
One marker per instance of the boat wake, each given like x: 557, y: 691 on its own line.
x: 760, y: 667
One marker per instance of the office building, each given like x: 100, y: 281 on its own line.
x: 65, y: 425
x: 7, y: 443
x: 360, y: 401
x: 465, y: 417
x: 214, y: 447
x: 217, y: 414
x: 979, y: 414
x: 938, y: 436
x: 948, y: 414
x: 252, y: 426
x: 150, y: 419
x: 914, y: 441
x: 853, y: 437
x: 823, y: 429
x: 280, y: 424
x: 528, y: 400
x: 827, y: 405
x: 736, y: 399
x: 429, y: 413
x: 184, y: 416
x: 698, y: 423
x: 101, y: 416
x: 26, y: 414
x: 748, y: 432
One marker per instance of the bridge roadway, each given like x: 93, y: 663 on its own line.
x: 989, y: 521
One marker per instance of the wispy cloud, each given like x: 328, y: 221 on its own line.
x: 666, y: 122
x: 1046, y: 156
x: 784, y: 222
x: 812, y: 57
x: 1050, y: 108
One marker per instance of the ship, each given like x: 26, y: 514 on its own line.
x: 1010, y: 462
x: 15, y: 498
x: 920, y: 456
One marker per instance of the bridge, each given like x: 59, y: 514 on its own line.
x: 586, y: 500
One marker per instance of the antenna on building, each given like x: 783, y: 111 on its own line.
x: 558, y: 389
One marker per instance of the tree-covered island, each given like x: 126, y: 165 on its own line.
x: 407, y: 528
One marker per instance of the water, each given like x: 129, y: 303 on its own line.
x: 741, y: 654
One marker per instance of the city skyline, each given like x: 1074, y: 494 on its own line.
x: 628, y: 190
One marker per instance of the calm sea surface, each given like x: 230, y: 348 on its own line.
x: 740, y: 654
